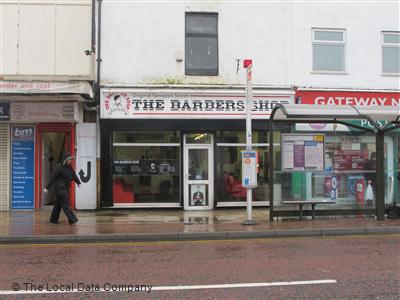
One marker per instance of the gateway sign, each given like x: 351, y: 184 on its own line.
x: 348, y: 98
x: 188, y: 104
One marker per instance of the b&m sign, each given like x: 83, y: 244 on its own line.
x: 23, y: 167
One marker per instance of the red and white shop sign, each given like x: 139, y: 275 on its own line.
x: 188, y: 104
x: 348, y: 98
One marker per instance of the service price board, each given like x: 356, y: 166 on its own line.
x: 302, y: 152
x: 23, y: 167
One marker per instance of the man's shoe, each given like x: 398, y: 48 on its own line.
x: 73, y: 222
x: 53, y: 222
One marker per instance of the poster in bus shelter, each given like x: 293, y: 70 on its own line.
x: 350, y: 160
x: 302, y: 152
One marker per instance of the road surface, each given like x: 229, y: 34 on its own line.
x: 354, y: 267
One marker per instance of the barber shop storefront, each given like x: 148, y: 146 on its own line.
x: 181, y: 148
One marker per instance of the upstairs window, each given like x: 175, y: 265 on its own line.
x: 328, y: 50
x: 391, y: 52
x: 201, y: 44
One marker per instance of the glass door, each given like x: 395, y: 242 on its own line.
x: 198, y: 172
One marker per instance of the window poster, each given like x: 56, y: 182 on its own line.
x: 198, y: 195
x: 301, y: 152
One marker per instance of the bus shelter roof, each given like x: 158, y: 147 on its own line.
x: 307, y: 112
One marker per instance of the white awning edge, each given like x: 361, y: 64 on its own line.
x: 43, y: 98
x: 46, y: 87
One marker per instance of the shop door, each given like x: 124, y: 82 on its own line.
x: 198, y: 172
x: 54, y: 146
x: 52, y: 141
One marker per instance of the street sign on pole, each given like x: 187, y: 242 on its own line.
x: 248, y: 65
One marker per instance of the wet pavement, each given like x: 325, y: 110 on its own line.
x: 355, y: 267
x: 146, y: 225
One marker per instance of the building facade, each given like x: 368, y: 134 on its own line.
x: 172, y: 101
x: 46, y: 77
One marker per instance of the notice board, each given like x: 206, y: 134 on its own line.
x: 302, y: 152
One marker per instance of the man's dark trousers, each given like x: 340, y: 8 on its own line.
x: 62, y: 201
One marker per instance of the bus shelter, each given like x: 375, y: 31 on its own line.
x: 318, y: 159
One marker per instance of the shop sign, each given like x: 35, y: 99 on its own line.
x: 188, y: 104
x: 367, y: 124
x: 146, y: 167
x: 22, y: 158
x: 45, y: 87
x: 4, y: 111
x: 349, y: 160
x: 324, y: 127
x: 45, y: 112
x: 348, y: 98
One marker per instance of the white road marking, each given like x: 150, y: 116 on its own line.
x: 177, y: 287
x: 240, y: 285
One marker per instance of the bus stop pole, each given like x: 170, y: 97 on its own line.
x: 248, y: 64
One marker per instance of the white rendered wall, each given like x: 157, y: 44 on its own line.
x: 364, y: 23
x: 141, y: 41
x: 40, y: 39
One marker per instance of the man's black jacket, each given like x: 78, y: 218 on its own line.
x: 62, y: 176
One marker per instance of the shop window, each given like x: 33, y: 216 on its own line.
x: 328, y: 50
x: 146, y: 168
x: 391, y: 52
x: 201, y: 44
x: 229, y: 166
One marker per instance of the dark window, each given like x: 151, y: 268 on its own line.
x: 201, y: 44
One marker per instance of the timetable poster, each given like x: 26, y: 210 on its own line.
x: 302, y: 152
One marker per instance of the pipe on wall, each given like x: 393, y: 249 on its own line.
x: 98, y: 59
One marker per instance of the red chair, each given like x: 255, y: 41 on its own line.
x: 122, y: 191
x: 235, y: 187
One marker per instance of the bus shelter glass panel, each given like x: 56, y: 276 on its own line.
x: 350, y: 161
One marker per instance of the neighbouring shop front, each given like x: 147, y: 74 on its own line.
x: 350, y: 153
x: 181, y: 148
x: 42, y: 123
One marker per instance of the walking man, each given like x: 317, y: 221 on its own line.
x: 62, y: 176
